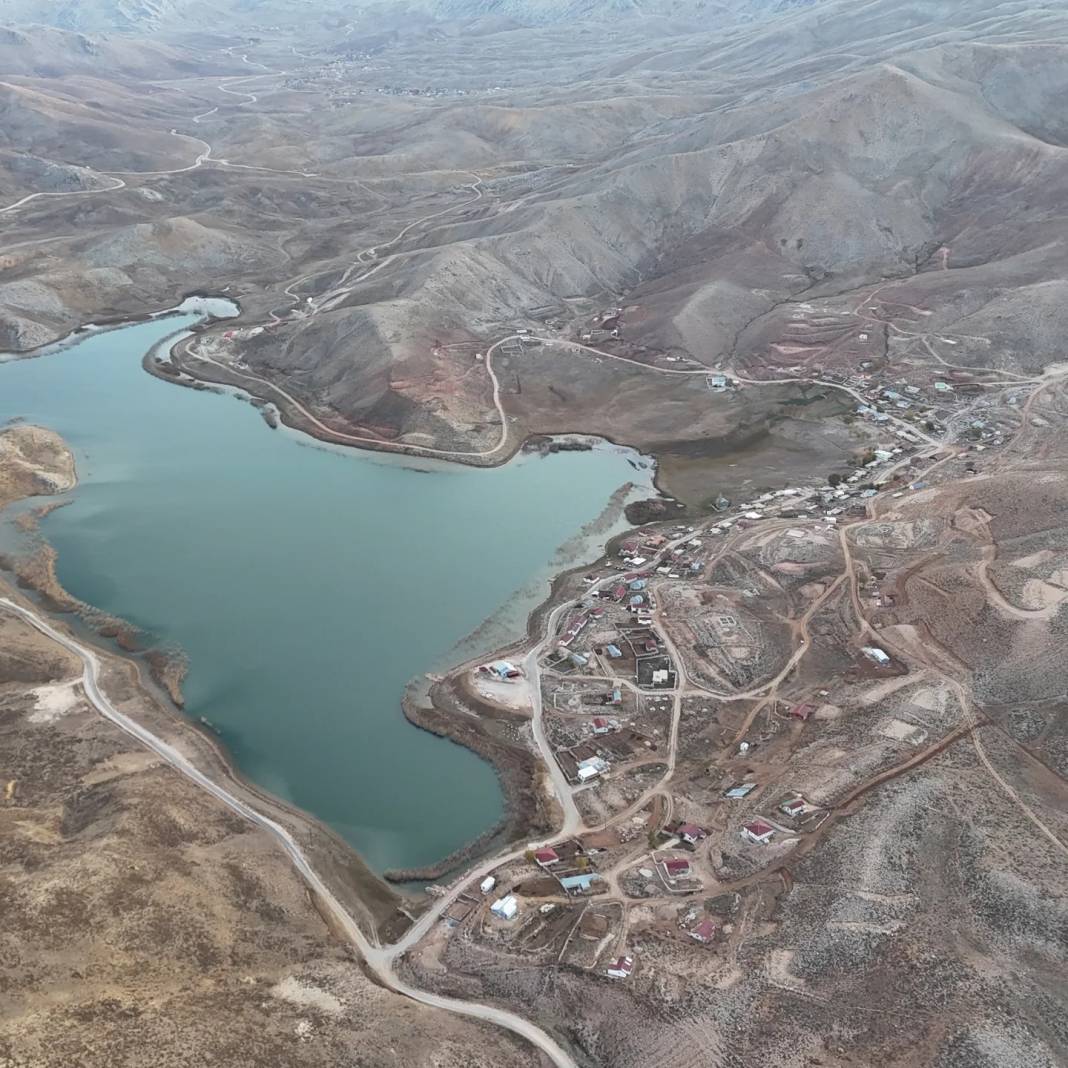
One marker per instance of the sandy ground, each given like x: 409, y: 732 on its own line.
x: 514, y: 696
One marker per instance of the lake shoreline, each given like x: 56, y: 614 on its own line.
x: 445, y: 705
x: 516, y: 769
x: 188, y: 301
x: 442, y: 706
x: 279, y: 411
x: 384, y: 912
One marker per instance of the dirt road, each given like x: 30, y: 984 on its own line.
x: 379, y: 959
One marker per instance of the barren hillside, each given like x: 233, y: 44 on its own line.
x: 391, y: 204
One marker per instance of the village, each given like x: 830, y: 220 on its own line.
x: 682, y: 691
x: 902, y: 387
x: 682, y: 696
x: 697, y: 752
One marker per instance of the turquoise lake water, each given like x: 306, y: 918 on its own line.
x: 306, y: 585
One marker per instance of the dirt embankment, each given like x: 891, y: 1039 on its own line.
x: 34, y: 462
x: 449, y: 708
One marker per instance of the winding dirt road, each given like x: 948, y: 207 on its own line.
x: 379, y: 959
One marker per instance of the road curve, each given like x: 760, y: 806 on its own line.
x: 379, y: 959
x: 119, y: 184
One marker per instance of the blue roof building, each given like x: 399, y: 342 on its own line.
x: 578, y: 883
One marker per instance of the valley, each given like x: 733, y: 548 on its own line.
x: 736, y: 328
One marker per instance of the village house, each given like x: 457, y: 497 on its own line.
x: 690, y: 832
x: 501, y: 669
x: 546, y: 857
x: 676, y: 867
x: 575, y: 626
x: 579, y: 884
x: 621, y: 968
x: 758, y: 832
x: 590, y: 768
x: 704, y: 932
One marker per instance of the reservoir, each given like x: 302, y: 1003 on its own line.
x: 307, y: 585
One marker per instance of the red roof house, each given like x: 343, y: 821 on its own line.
x: 758, y: 832
x: 546, y: 857
x: 704, y: 932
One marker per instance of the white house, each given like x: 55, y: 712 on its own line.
x: 591, y: 766
x: 873, y: 652
x: 758, y: 832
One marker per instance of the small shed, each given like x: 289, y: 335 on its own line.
x: 743, y: 789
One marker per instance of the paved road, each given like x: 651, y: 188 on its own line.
x: 379, y: 959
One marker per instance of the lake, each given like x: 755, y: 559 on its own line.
x: 307, y: 585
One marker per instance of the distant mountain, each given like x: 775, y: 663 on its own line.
x: 139, y: 16
x: 89, y: 16
x: 548, y: 11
